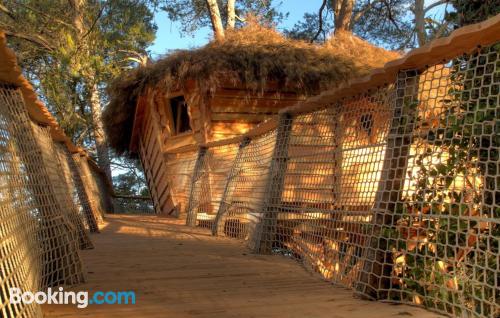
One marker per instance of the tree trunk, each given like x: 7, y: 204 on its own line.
x: 342, y: 14
x: 99, y: 136
x: 420, y: 22
x: 213, y: 8
x: 231, y: 14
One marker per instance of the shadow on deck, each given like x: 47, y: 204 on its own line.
x: 177, y: 271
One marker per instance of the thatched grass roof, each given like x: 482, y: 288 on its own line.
x: 248, y: 57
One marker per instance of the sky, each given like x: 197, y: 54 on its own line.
x: 168, y: 36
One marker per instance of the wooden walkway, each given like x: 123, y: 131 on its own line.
x: 177, y: 271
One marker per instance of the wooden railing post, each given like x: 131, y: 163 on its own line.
x: 266, y: 232
x: 82, y: 194
x: 194, y: 192
x: 377, y: 265
x: 218, y: 225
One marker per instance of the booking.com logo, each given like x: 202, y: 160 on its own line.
x: 81, y: 298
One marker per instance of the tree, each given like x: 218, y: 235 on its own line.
x: 395, y: 24
x: 131, y: 188
x: 213, y: 9
x: 218, y: 14
x: 69, y: 49
x: 472, y: 11
x: 313, y: 27
x: 383, y: 22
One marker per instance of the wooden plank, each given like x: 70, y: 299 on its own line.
x: 257, y: 105
x: 179, y: 142
x: 177, y: 271
x: 233, y: 128
x: 269, y: 94
x: 249, y: 118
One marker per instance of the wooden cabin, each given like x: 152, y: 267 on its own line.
x: 217, y: 92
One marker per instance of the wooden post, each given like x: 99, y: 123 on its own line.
x: 265, y: 235
x: 218, y: 226
x: 377, y: 265
x: 194, y: 191
x: 82, y: 195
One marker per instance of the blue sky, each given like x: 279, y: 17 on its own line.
x: 168, y: 36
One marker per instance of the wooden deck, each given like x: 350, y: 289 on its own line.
x: 177, y: 271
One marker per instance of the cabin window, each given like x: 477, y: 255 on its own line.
x: 366, y: 122
x: 180, y: 115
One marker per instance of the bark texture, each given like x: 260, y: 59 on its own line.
x: 231, y: 14
x: 342, y: 13
x: 99, y: 135
x: 217, y: 26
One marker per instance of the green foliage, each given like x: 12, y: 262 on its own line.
x: 131, y: 183
x: 464, y: 143
x: 63, y: 64
x: 472, y: 11
x: 385, y: 23
x: 308, y: 27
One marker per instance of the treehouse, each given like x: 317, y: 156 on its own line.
x: 387, y: 185
x: 191, y: 98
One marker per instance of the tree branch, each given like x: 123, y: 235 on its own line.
x: 240, y: 19
x: 435, y: 4
x: 363, y: 11
x: 320, y: 16
x: 48, y: 16
x: 36, y: 39
x: 390, y: 17
x: 7, y: 12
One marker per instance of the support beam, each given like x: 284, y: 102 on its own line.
x: 194, y: 193
x: 377, y: 265
x: 266, y: 232
x: 218, y: 226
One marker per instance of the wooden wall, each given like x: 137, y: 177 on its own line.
x: 227, y: 114
x: 233, y: 113
x: 151, y: 154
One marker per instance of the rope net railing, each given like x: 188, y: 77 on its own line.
x: 179, y: 171
x: 211, y: 169
x: 60, y: 187
x: 46, y: 209
x: 90, y: 189
x: 393, y: 191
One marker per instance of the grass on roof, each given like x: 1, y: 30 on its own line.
x: 249, y: 57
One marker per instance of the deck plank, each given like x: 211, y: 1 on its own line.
x: 177, y: 271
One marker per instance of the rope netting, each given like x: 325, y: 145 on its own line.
x: 62, y: 186
x: 46, y: 209
x: 394, y: 192
x: 438, y: 206
x: 20, y: 255
x: 104, y: 189
x: 209, y: 180
x: 39, y: 231
x: 76, y: 187
x: 245, y: 187
x: 90, y: 189
x: 179, y: 171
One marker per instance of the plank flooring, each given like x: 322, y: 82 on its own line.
x: 177, y: 271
